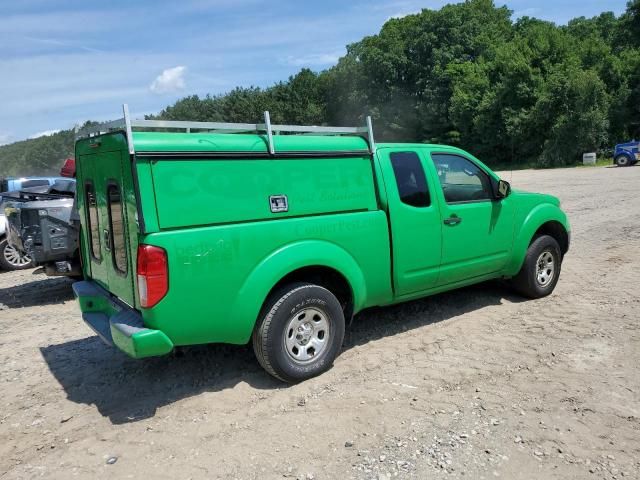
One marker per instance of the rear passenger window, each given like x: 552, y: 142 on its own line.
x: 412, y: 183
x: 92, y: 220
x: 116, y: 224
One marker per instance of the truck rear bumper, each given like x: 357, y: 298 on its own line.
x: 117, y: 324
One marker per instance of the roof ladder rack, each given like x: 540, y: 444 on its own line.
x: 127, y: 125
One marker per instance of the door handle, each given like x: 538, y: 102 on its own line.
x: 107, y: 240
x: 452, y: 220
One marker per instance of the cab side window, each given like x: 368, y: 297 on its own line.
x: 411, y: 180
x: 461, y: 179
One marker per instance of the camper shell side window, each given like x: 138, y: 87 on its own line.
x: 92, y: 221
x: 116, y: 226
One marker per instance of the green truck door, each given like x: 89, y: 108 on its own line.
x: 416, y: 226
x: 477, y: 230
x: 110, y: 259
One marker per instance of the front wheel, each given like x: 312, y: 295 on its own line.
x: 541, y: 268
x: 299, y: 333
x: 622, y: 161
x: 11, y: 258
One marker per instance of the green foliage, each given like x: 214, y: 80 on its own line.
x: 518, y: 93
x: 523, y: 93
x: 629, y: 32
x: 300, y: 100
x: 37, y: 156
x: 573, y: 106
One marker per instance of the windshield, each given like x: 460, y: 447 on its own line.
x: 64, y: 187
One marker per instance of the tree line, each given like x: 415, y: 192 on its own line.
x: 515, y: 93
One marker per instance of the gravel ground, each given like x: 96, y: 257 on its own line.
x: 475, y: 383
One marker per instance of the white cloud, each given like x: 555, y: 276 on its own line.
x: 58, y: 43
x: 217, y: 5
x: 169, y: 81
x: 6, y: 138
x: 526, y: 12
x: 62, y: 22
x: 407, y: 5
x: 45, y: 133
x: 315, y: 59
x: 403, y: 14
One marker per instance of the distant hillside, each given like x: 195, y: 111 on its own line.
x: 37, y: 156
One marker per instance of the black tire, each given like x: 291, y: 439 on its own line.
x: 5, y: 258
x: 299, y: 304
x: 623, y: 161
x: 529, y: 281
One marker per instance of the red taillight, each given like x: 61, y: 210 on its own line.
x: 153, y: 275
x: 69, y: 168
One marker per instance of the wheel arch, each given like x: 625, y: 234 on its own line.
x: 321, y: 275
x: 544, y: 219
x: 554, y: 229
x: 313, y: 261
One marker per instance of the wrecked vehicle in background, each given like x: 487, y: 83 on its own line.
x: 44, y: 225
x: 10, y: 257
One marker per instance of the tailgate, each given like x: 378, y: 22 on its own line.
x: 106, y: 200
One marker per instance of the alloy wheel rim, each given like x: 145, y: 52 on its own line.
x: 307, y: 334
x: 545, y: 268
x: 15, y: 257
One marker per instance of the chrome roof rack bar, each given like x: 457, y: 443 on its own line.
x: 268, y: 129
x: 372, y: 142
x: 190, y: 126
x: 128, y: 129
x: 128, y: 125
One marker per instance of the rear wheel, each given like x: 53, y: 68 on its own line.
x: 11, y: 258
x: 541, y: 268
x: 299, y: 333
x: 622, y: 161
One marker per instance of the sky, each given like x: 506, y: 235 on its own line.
x: 64, y: 62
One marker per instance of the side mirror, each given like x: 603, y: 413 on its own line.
x: 504, y: 189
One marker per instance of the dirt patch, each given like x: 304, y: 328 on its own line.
x: 475, y: 383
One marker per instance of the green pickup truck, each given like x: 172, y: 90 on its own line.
x: 197, y: 233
